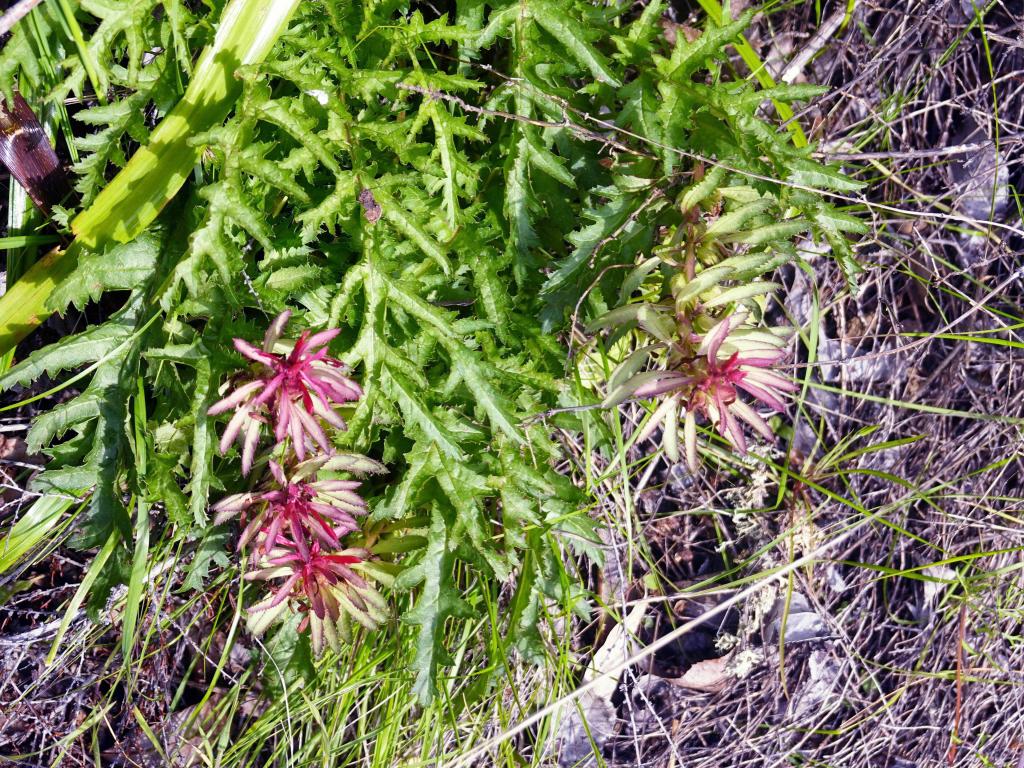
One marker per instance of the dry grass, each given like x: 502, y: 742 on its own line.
x: 922, y: 660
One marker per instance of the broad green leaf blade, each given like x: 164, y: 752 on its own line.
x: 759, y: 70
x: 495, y: 405
x: 555, y: 22
x: 23, y: 307
x: 123, y: 267
x: 203, y: 444
x: 403, y: 392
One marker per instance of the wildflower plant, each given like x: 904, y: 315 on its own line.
x: 696, y: 340
x: 705, y: 375
x: 296, y: 521
x: 437, y: 192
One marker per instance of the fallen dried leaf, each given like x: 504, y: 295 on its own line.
x: 709, y: 676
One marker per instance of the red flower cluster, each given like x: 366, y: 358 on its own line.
x: 317, y: 510
x: 704, y: 376
x: 715, y: 396
x: 296, y: 389
x: 295, y: 523
x: 327, y: 589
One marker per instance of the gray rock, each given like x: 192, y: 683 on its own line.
x: 980, y: 178
x: 802, y: 622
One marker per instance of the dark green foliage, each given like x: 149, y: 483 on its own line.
x: 446, y: 191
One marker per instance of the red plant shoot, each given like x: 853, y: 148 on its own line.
x: 324, y: 586
x: 296, y: 390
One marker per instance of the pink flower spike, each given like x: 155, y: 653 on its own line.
x: 298, y: 509
x: 706, y: 376
x: 235, y: 398
x: 766, y: 396
x: 769, y: 379
x: 233, y: 429
x: 252, y: 438
x: 719, y: 334
x: 327, y: 589
x: 753, y: 418
x: 297, y: 392
x: 322, y: 338
x: 248, y: 350
x: 762, y: 357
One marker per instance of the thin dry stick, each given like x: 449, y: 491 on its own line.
x: 831, y: 25
x: 954, y: 738
x: 13, y: 15
x: 910, y: 154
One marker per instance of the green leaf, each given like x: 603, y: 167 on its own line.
x: 32, y: 528
x: 734, y: 220
x: 606, y: 220
x: 476, y: 376
x: 203, y: 443
x: 419, y: 415
x: 812, y: 174
x: 91, y: 575
x: 212, y: 551
x: 741, y: 293
x: 570, y: 33
x: 404, y: 223
x: 544, y: 160
x: 688, y: 57
x: 703, y: 189
x: 23, y: 306
x: 59, y: 419
x: 705, y: 280
x: 520, y: 201
x: 403, y: 498
x: 156, y: 172
x: 120, y: 267
x: 438, y: 600
x: 95, y: 343
x: 101, y: 411
x: 769, y: 233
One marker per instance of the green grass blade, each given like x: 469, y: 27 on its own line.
x: 82, y: 592
x: 88, y: 60
x: 25, y: 241
x: 140, y: 558
x: 32, y: 528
